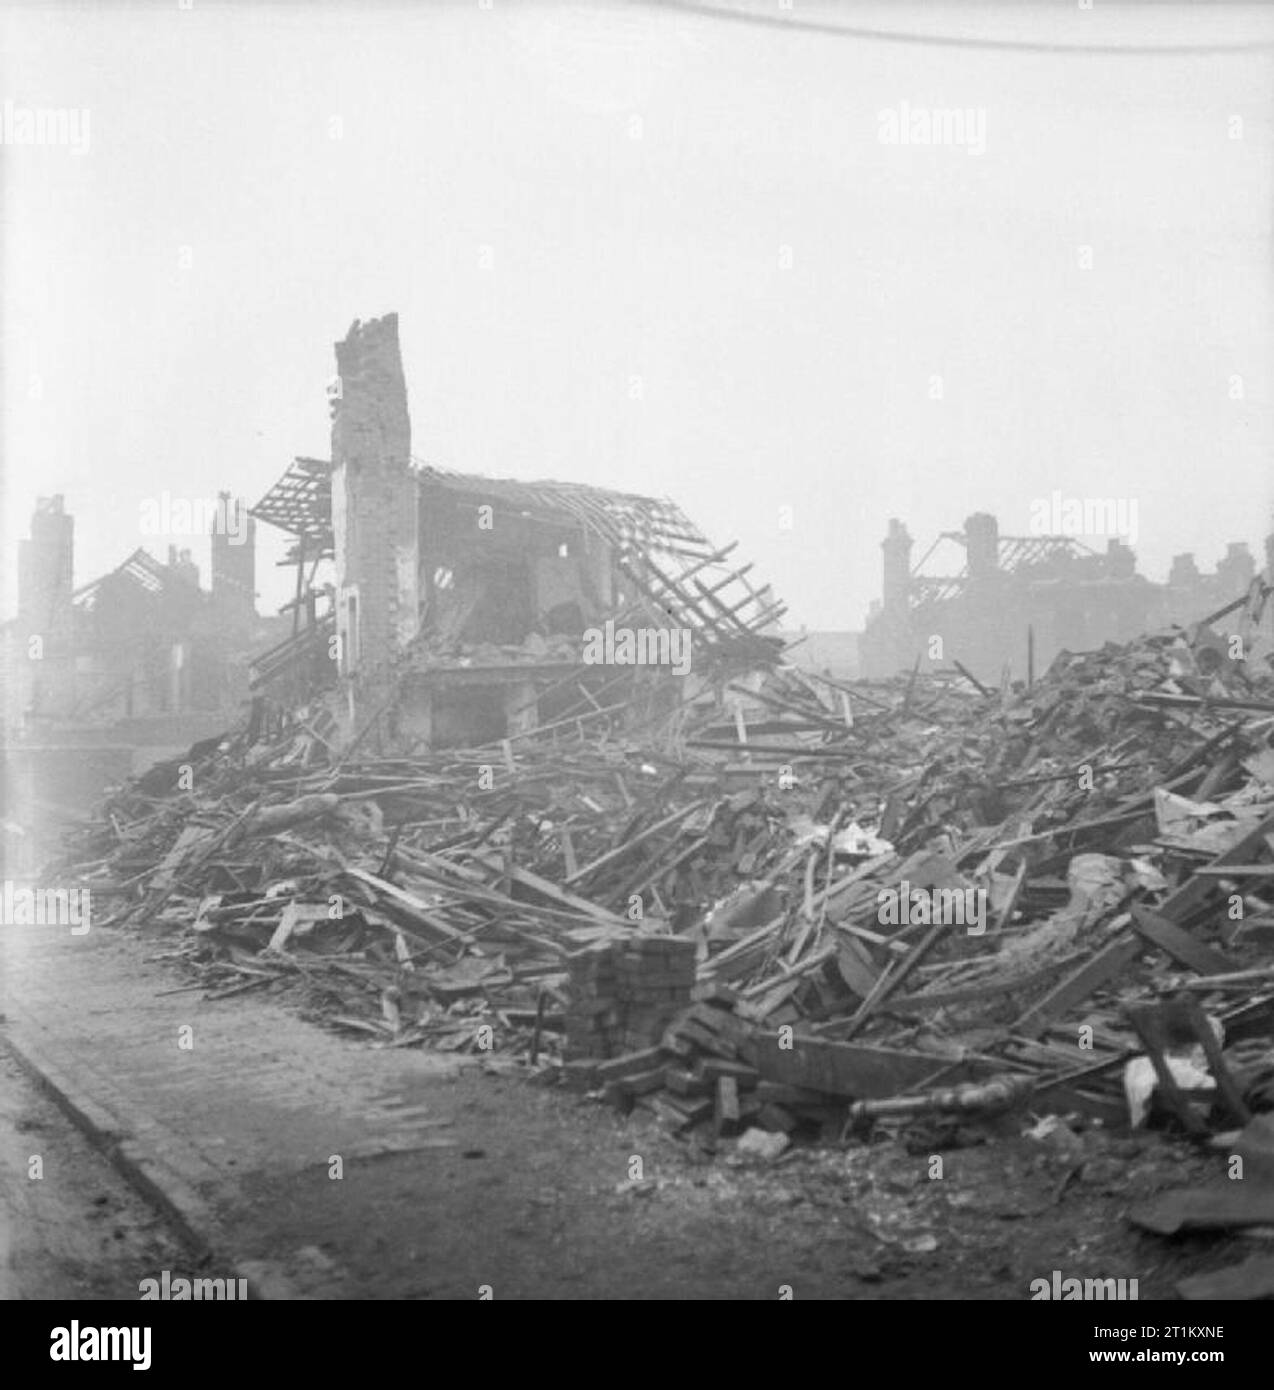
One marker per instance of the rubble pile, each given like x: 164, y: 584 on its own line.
x: 815, y: 907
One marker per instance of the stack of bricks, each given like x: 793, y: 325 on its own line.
x: 592, y: 1016
x: 625, y: 993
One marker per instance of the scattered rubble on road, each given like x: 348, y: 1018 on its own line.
x: 806, y: 908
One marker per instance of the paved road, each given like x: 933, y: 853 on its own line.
x: 79, y: 1231
x: 451, y: 1182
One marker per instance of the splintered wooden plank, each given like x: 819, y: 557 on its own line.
x: 410, y: 902
x: 1230, y: 1091
x: 191, y: 839
x: 1205, y: 1209
x: 1179, y: 944
x: 887, y: 986
x: 1194, y: 893
x: 568, y: 849
x: 1079, y: 984
x: 630, y: 1064
x: 1147, y: 1021
x: 550, y: 890
x: 622, y: 849
x: 845, y: 1069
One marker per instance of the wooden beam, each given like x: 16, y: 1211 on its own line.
x: 1193, y: 894
x: 1078, y: 985
x: 1179, y: 944
x: 550, y: 890
x: 846, y: 1069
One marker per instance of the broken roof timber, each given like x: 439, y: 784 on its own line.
x: 141, y: 568
x: 1014, y: 555
x: 300, y: 502
x: 656, y: 546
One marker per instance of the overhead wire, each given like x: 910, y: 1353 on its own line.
x: 797, y: 24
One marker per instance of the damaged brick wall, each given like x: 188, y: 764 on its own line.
x: 233, y: 555
x: 374, y: 513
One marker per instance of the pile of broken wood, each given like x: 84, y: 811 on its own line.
x: 1117, y: 819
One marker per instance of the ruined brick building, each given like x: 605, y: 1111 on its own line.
x: 101, y: 681
x: 461, y: 604
x: 1016, y: 601
x: 142, y: 642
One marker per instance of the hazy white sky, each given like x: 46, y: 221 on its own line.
x: 651, y: 249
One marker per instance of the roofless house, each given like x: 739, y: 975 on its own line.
x: 462, y: 605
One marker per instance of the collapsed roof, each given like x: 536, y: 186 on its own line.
x: 1014, y: 555
x: 300, y: 502
x: 682, y: 578
x: 141, y: 569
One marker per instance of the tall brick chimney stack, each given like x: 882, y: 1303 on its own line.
x: 374, y: 510
x: 234, y: 564
x: 45, y: 564
x: 982, y: 544
x: 1237, y: 570
x: 896, y: 578
x: 1184, y: 572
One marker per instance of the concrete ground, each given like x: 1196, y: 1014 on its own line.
x: 78, y: 1230
x: 317, y: 1167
